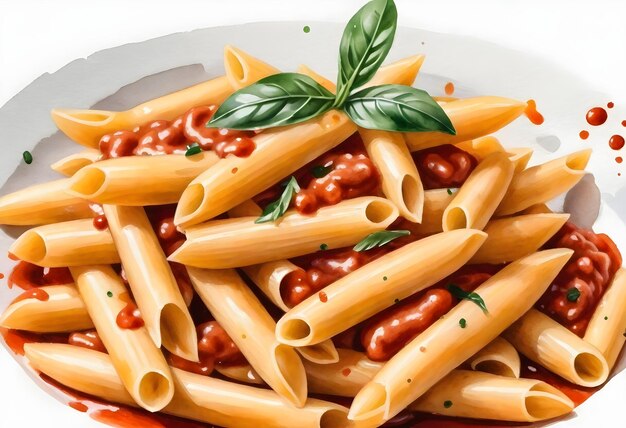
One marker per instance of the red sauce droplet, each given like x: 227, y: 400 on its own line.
x: 129, y: 317
x: 597, y: 116
x: 449, y: 88
x: 619, y: 159
x: 584, y: 135
x: 27, y: 275
x: 619, y: 174
x: 1, y: 276
x: 234, y: 170
x: 323, y: 297
x: 35, y: 293
x: 77, y: 405
x: 89, y: 340
x: 125, y: 418
x: 532, y: 114
x: 346, y: 372
x: 610, y: 104
x: 616, y: 142
x: 100, y: 222
x: 624, y: 123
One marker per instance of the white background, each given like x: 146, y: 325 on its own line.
x: 36, y: 37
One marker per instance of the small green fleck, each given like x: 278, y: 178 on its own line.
x: 396, y: 301
x: 449, y: 191
x: 447, y: 404
x: 606, y: 318
x: 306, y: 29
x: 193, y: 149
x: 573, y: 294
x: 324, y: 247
x: 28, y: 157
x: 463, y: 323
x: 110, y: 293
x: 320, y: 171
x: 384, y: 278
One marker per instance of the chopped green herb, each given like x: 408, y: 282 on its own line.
x: 320, y: 171
x: 324, y: 247
x: 384, y: 278
x: 110, y: 293
x: 461, y: 294
x: 573, y: 294
x: 378, y: 239
x: 447, y: 404
x: 193, y: 149
x: 606, y: 318
x: 450, y: 191
x: 463, y: 323
x: 28, y: 157
x: 277, y: 209
x: 306, y: 29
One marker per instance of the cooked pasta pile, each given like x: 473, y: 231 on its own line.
x: 409, y: 273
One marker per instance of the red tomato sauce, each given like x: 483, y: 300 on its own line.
x: 28, y: 276
x: 590, y: 271
x: 172, y: 137
x: 596, y: 116
x: 444, y: 166
x: 532, y: 114
x: 34, y: 293
x: 88, y: 339
x: 129, y: 318
x: 100, y: 222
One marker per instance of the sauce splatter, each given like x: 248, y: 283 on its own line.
x: 610, y: 104
x: 34, y: 293
x: 1, y: 276
x: 532, y: 114
x: 619, y: 159
x: 346, y: 372
x: 323, y: 297
x: 624, y: 123
x: 596, y: 116
x: 77, y: 405
x: 100, y: 222
x: 449, y: 88
x: 584, y: 135
x: 616, y: 142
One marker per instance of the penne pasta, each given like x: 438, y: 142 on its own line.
x: 243, y: 374
x: 242, y: 69
x: 529, y: 186
x: 376, y: 286
x: 401, y: 182
x: 139, y: 364
x: 487, y: 396
x: 251, y: 327
x: 499, y: 358
x: 69, y: 165
x: 197, y: 397
x: 152, y: 282
x: 512, y: 238
x: 43, y: 203
x: 482, y: 147
x: 477, y: 199
x: 236, y: 242
x: 234, y: 180
x: 608, y: 324
x: 548, y: 343
x: 320, y: 353
x: 326, y: 83
x: 520, y: 157
x: 62, y: 311
x: 140, y: 180
x: 444, y: 345
x: 472, y: 118
x: 435, y: 203
x: 269, y: 276
x: 71, y: 243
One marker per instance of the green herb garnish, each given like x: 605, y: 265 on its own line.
x: 378, y: 239
x: 324, y: 247
x: 109, y: 293
x: 606, y: 318
x: 193, y: 149
x: 384, y: 278
x: 450, y: 191
x: 461, y: 294
x: 573, y: 294
x: 28, y: 157
x: 277, y: 209
x: 290, y: 98
x: 320, y: 171
x: 306, y: 29
x: 463, y: 323
x: 447, y: 404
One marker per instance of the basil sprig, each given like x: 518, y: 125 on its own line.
x: 461, y: 294
x: 378, y: 239
x: 290, y: 98
x: 278, y: 208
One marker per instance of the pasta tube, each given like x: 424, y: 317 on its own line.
x: 242, y: 69
x: 72, y: 243
x: 435, y: 203
x: 63, y: 311
x: 243, y: 374
x: 472, y: 118
x: 152, y: 282
x: 520, y: 156
x: 139, y: 180
x: 43, y: 203
x: 445, y: 345
x: 486, y: 396
x: 498, y: 358
x: 326, y: 83
x: 140, y: 365
x: 221, y: 244
x: 234, y: 180
x: 512, y: 238
x: 477, y: 199
x: 247, y: 322
x: 376, y: 286
x: 608, y: 324
x: 548, y: 343
x: 480, y: 148
x: 69, y: 165
x: 401, y: 182
x: 529, y: 186
x: 201, y: 398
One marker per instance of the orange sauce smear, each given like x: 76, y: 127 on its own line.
x: 449, y: 88
x: 532, y: 114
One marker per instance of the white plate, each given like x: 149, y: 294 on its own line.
x: 179, y: 60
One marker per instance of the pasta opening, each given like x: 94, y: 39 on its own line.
x: 175, y: 335
x: 455, y: 218
x: 294, y: 329
x: 369, y: 402
x: 590, y: 368
x: 292, y: 373
x: 495, y: 367
x: 83, y: 116
x: 190, y: 202
x: 321, y: 353
x: 30, y: 247
x: 88, y: 182
x: 234, y: 64
x: 545, y: 402
x: 155, y: 390
x: 379, y: 212
x: 410, y: 196
x: 578, y: 161
x: 334, y: 418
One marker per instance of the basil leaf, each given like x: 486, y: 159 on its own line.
x: 573, y: 294
x: 277, y: 209
x: 281, y: 99
x: 365, y: 43
x: 320, y: 171
x: 397, y: 108
x: 193, y: 149
x: 378, y: 239
x: 461, y: 294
